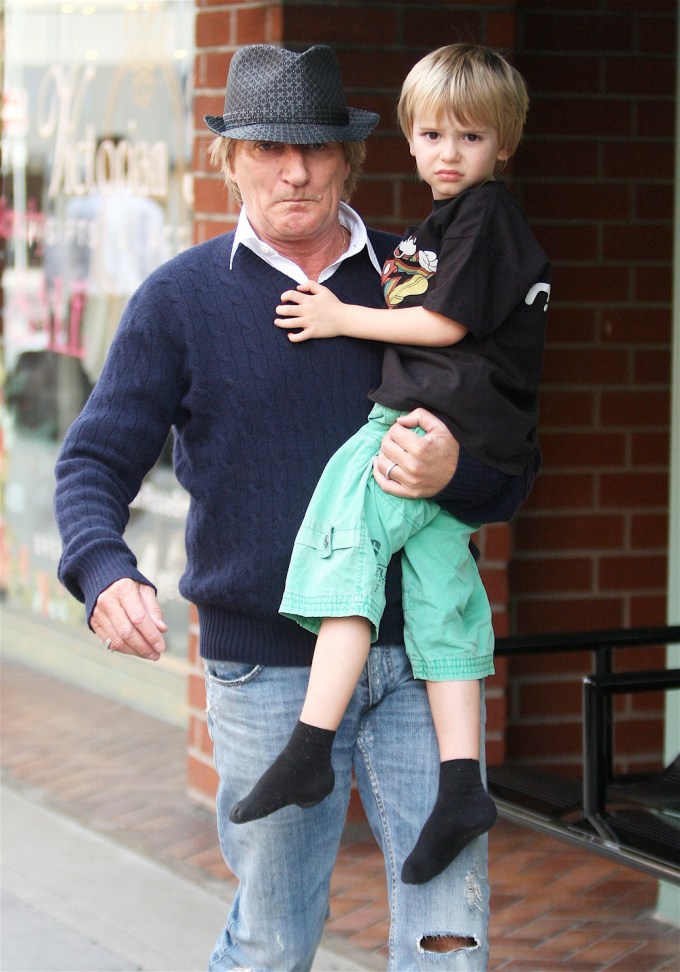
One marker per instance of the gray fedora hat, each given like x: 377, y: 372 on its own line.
x: 277, y: 95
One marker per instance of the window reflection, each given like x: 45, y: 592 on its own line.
x: 96, y: 192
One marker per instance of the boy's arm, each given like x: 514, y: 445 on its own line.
x: 319, y: 314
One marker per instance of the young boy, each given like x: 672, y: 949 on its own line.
x: 471, y: 286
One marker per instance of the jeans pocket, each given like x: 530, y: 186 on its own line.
x: 231, y: 673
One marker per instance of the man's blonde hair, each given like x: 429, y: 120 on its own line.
x: 474, y: 84
x: 221, y: 150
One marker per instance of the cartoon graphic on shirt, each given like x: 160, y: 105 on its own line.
x: 408, y: 272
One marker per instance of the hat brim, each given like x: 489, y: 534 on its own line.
x: 361, y: 124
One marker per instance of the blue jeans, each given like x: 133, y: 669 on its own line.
x: 284, y: 862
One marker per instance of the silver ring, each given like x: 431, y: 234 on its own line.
x: 107, y: 644
x: 389, y: 469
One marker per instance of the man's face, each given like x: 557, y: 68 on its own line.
x: 291, y: 192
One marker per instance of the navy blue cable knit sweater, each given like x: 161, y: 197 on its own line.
x: 255, y: 420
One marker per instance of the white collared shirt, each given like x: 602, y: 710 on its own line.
x: 245, y: 236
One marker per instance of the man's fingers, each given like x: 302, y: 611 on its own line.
x: 128, y: 614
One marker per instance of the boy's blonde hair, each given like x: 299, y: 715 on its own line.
x: 473, y: 83
x: 221, y: 150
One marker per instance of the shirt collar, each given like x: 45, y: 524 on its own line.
x: 350, y: 219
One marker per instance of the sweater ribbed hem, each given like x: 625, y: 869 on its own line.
x: 228, y: 636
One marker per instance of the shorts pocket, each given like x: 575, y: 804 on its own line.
x: 327, y: 539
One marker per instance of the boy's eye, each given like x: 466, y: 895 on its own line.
x: 472, y: 137
x: 431, y: 136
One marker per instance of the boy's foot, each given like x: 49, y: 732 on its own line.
x: 301, y: 774
x: 463, y: 811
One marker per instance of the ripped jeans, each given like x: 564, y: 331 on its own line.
x: 284, y: 862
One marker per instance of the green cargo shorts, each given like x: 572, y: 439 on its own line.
x: 346, y: 540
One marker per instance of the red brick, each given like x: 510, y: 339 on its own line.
x: 547, y: 30
x: 584, y: 532
x: 207, y: 230
x: 632, y: 573
x: 210, y: 69
x: 647, y: 610
x: 633, y: 325
x: 648, y: 159
x: 635, y: 241
x: 653, y: 37
x: 358, y: 26
x: 214, y: 28
x: 551, y: 158
x: 253, y: 25
x: 630, y: 490
x: 373, y: 197
x: 540, y: 614
x: 652, y: 367
x: 550, y: 666
x: 639, y: 658
x: 601, y: 366
x: 571, y: 325
x: 640, y: 76
x: 196, y: 691
x: 580, y: 117
x: 556, y: 575
x: 496, y: 584
x: 546, y: 739
x: 501, y: 30
x: 557, y: 699
x: 630, y: 734
x: 207, y: 105
x: 586, y: 449
x: 653, y: 283
x: 649, y: 530
x: 563, y: 241
x: 555, y: 73
x: 202, y: 777
x: 634, y: 409
x: 601, y: 284
x: 566, y: 491
x: 561, y: 409
x: 585, y: 202
x: 496, y: 542
x: 210, y: 195
x: 654, y: 201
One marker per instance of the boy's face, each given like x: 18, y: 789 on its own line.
x: 452, y: 157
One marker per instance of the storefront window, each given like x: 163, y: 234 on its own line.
x: 96, y: 193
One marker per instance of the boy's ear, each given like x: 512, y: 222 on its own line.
x: 503, y: 155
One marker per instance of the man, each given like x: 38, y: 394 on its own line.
x: 255, y: 418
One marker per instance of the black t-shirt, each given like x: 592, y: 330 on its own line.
x: 476, y: 261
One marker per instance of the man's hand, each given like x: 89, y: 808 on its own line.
x: 128, y: 613
x: 418, y: 465
x: 311, y: 307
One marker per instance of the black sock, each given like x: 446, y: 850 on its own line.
x: 463, y: 811
x: 301, y: 774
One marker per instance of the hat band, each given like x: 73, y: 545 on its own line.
x: 250, y: 116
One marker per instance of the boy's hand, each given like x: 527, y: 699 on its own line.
x: 311, y: 307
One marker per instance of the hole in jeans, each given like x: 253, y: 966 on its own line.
x: 446, y: 943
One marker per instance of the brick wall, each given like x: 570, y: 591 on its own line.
x: 595, y: 175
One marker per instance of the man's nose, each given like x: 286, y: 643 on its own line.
x: 295, y: 167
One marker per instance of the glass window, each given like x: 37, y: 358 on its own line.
x: 97, y: 192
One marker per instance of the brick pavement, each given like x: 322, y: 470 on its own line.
x: 122, y: 773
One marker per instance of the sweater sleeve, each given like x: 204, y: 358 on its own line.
x: 115, y: 441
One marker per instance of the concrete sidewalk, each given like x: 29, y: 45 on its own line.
x: 75, y: 901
